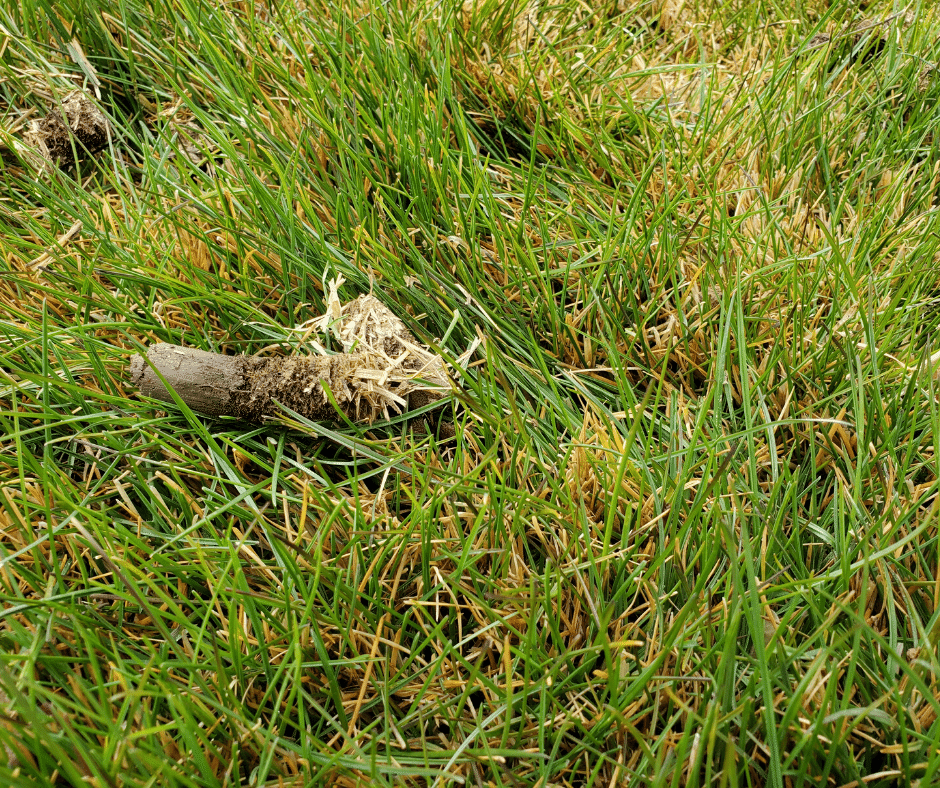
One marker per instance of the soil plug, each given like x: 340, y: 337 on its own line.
x: 76, y: 117
x: 383, y: 371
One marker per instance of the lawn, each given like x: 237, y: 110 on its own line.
x: 674, y: 525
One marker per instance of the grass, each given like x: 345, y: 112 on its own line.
x: 686, y: 532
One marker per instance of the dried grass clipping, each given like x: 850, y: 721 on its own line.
x: 393, y: 372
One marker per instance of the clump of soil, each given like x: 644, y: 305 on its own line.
x: 867, y: 39
x: 382, y: 371
x: 76, y: 126
x: 927, y: 75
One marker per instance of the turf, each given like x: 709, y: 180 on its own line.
x: 686, y: 531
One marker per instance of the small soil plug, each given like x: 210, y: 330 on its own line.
x: 77, y: 122
x: 383, y: 371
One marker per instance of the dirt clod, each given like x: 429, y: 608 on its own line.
x: 382, y: 371
x: 297, y: 382
x: 867, y: 38
x: 77, y: 122
x: 926, y: 78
